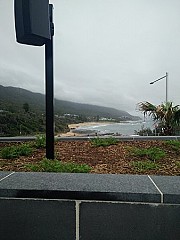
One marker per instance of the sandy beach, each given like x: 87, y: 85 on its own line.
x: 76, y: 125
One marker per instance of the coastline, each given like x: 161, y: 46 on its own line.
x: 74, y: 126
x: 106, y: 128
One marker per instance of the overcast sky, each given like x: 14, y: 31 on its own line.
x: 106, y: 52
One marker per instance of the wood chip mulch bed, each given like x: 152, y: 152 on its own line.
x: 114, y: 159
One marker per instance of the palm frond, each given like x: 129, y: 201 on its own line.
x: 177, y: 117
x: 148, y: 109
x: 166, y: 114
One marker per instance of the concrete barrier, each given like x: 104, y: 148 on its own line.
x: 86, y: 138
x: 88, y: 206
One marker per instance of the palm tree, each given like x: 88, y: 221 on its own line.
x: 166, y: 115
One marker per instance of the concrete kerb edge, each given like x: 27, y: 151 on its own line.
x: 87, y: 138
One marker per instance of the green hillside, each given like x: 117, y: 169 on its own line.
x: 16, y: 97
x: 23, y: 113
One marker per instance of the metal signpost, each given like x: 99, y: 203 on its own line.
x: 34, y: 26
x: 49, y: 90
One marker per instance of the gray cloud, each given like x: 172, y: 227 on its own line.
x: 106, y: 52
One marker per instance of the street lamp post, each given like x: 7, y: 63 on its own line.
x: 166, y: 76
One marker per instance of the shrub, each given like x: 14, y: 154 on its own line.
x: 174, y: 144
x: 144, y: 132
x: 47, y: 165
x: 16, y: 151
x: 97, y: 142
x: 9, y: 152
x: 153, y: 153
x: 24, y: 150
x: 178, y: 164
x: 144, y: 165
x: 40, y: 141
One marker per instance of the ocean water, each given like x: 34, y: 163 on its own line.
x: 124, y: 128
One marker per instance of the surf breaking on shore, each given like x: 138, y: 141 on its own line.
x: 75, y: 129
x: 128, y: 128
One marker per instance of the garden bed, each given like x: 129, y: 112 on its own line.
x: 131, y: 157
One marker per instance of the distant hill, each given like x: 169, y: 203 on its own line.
x: 15, y: 98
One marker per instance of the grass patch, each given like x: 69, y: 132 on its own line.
x: 178, y: 164
x: 152, y: 153
x: 142, y: 166
x: 40, y: 141
x: 16, y: 151
x: 174, y: 144
x: 104, y: 142
x: 47, y: 165
x: 2, y: 163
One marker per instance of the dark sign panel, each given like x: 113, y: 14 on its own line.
x: 32, y: 22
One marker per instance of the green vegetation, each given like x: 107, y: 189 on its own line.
x: 26, y: 107
x: 16, y: 151
x: 56, y: 166
x: 144, y: 165
x: 97, y: 142
x: 40, y: 141
x: 2, y: 163
x: 178, y: 164
x: 45, y: 165
x: 19, y: 122
x: 144, y: 132
x: 23, y: 113
x: 174, y: 144
x: 152, y: 153
x: 130, y: 157
x: 166, y: 115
